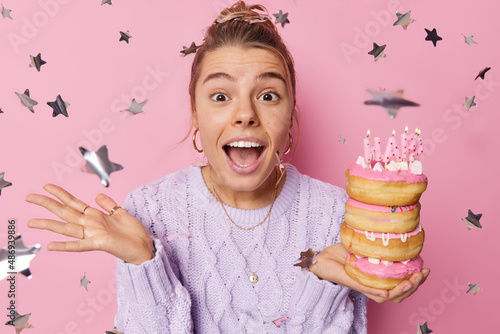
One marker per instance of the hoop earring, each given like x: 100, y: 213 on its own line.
x: 291, y: 142
x: 194, y: 141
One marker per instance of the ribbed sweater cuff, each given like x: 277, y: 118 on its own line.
x: 152, y: 282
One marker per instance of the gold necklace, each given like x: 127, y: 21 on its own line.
x: 253, y: 277
x: 246, y: 228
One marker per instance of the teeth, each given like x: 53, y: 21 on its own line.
x: 243, y: 144
x: 373, y: 260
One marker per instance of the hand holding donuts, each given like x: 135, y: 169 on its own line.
x: 116, y: 232
x: 329, y: 266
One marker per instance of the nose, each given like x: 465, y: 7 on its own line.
x: 245, y: 114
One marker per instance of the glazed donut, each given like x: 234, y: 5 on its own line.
x: 382, y: 275
x: 386, y: 246
x: 384, y: 187
x: 376, y: 218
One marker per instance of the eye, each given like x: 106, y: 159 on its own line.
x: 219, y: 97
x: 269, y: 96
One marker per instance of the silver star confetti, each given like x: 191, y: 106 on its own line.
x: 470, y: 102
x: 136, y: 108
x: 3, y: 183
x: 469, y: 40
x: 391, y: 101
x: 26, y: 100
x: 124, y: 36
x: 37, y: 61
x: 23, y: 257
x: 59, y: 106
x: 84, y: 281
x: 19, y: 322
x: 472, y: 220
x: 474, y: 288
x: 378, y: 51
x: 423, y: 329
x: 6, y: 13
x: 281, y: 18
x: 306, y: 259
x: 342, y: 140
x: 432, y: 36
x: 482, y: 73
x: 403, y: 20
x: 114, y: 331
x: 98, y: 163
x: 188, y: 50
x: 103, y: 2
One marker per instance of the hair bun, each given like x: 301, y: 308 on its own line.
x: 240, y: 11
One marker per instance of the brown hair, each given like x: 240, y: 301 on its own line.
x: 234, y: 27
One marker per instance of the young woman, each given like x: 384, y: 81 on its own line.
x: 212, y: 249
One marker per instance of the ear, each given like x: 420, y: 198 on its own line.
x: 194, y: 117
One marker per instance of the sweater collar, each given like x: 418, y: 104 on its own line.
x: 244, y: 217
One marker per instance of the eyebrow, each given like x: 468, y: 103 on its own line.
x: 265, y: 75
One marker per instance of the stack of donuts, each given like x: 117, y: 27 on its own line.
x: 381, y: 229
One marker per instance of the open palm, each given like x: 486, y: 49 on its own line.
x: 119, y: 233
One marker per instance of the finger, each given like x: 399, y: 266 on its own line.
x: 71, y: 246
x: 409, y: 288
x: 106, y: 203
x: 67, y: 229
x: 65, y: 197
x: 62, y: 211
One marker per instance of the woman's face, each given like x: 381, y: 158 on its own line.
x: 243, y: 112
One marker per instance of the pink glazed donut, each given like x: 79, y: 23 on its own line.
x: 382, y: 275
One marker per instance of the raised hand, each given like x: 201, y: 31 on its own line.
x: 330, y: 266
x: 115, y: 231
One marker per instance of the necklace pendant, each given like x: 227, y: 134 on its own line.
x: 254, y: 278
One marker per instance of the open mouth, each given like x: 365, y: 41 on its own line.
x: 243, y: 153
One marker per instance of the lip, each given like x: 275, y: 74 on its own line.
x: 252, y: 167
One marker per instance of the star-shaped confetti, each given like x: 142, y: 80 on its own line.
x: 103, y: 2
x: 306, y: 259
x: 342, y: 139
x: 3, y: 182
x: 23, y: 257
x: 469, y: 102
x: 391, y: 101
x: 378, y: 51
x: 114, y: 331
x: 37, y: 61
x: 98, y: 163
x: 423, y: 329
x: 124, y: 36
x: 59, y: 106
x: 136, y: 108
x: 432, y: 36
x: 26, y: 100
x: 474, y: 288
x: 19, y: 322
x: 469, y: 40
x: 403, y: 20
x: 1, y: 111
x: 482, y: 73
x: 472, y: 220
x: 188, y: 50
x: 84, y: 281
x: 6, y: 13
x: 281, y: 18
x: 278, y: 321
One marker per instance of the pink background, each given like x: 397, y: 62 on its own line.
x: 99, y: 76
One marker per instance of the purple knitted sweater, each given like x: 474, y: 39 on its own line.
x: 199, y: 282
